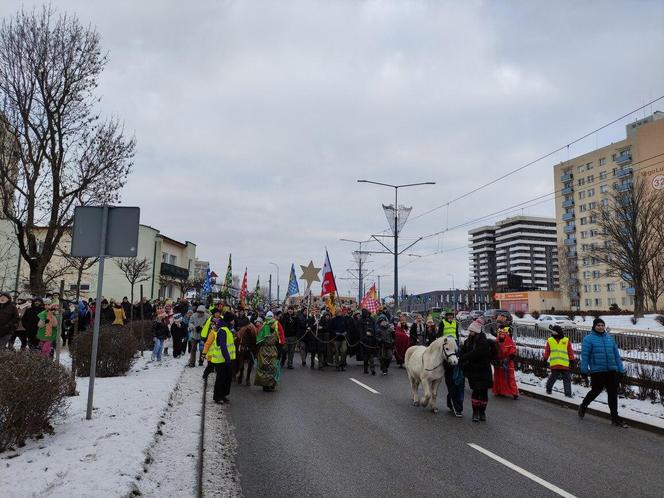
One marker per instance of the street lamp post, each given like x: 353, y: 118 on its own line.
x: 454, y: 301
x: 277, y: 267
x: 360, y: 258
x: 395, y: 229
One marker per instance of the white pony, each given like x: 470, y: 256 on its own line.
x: 425, y: 366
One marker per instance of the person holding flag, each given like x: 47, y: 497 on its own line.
x: 329, y: 286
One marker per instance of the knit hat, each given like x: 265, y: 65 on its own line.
x: 382, y: 318
x: 269, y: 314
x: 6, y: 294
x: 476, y: 326
x: 200, y: 309
x: 556, y: 329
x: 597, y: 321
x: 177, y: 317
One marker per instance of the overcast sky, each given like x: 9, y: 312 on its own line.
x: 254, y: 119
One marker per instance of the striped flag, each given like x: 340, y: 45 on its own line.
x: 370, y: 300
x: 329, y: 284
x: 243, y: 290
x: 293, y: 287
x: 228, y: 281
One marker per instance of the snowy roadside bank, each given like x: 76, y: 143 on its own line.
x: 220, y: 475
x: 642, y: 411
x: 103, y: 454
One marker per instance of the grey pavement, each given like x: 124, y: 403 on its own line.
x: 322, y: 435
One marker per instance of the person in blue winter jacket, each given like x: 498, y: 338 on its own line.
x: 600, y: 358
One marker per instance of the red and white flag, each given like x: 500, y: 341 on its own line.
x: 370, y: 300
x: 329, y: 285
x: 243, y: 289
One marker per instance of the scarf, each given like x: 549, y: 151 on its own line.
x: 265, y: 330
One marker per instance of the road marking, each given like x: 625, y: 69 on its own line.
x: 523, y: 472
x: 370, y: 389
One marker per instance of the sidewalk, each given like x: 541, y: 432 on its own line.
x: 637, y: 413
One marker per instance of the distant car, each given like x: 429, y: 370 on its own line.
x: 561, y: 320
x: 475, y: 314
x: 463, y: 315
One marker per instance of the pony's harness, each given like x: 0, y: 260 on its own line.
x: 446, y: 357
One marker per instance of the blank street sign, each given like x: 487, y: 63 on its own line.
x: 121, y: 231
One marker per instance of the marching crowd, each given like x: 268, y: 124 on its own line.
x: 233, y: 340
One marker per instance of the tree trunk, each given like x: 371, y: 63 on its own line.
x: 131, y: 301
x: 638, y: 301
x: 79, y: 277
x: 36, y: 282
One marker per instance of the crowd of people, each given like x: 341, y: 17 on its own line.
x: 233, y: 339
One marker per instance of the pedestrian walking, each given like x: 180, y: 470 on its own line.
x: 323, y: 340
x: 178, y: 336
x: 600, y: 358
x: 47, y: 333
x: 385, y: 342
x: 475, y: 361
x: 290, y: 324
x: 160, y: 335
x: 339, y: 332
x: 449, y: 326
x: 196, y: 323
x: 401, y: 340
x: 30, y: 322
x: 119, y: 317
x: 369, y: 346
x: 220, y: 351
x: 8, y: 320
x: 418, y: 332
x: 268, y: 366
x: 560, y: 355
x: 504, y: 379
x: 21, y: 306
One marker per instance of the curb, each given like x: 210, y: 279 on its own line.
x: 570, y: 404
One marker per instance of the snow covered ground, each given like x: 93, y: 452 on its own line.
x: 614, y: 322
x: 630, y: 409
x: 102, y: 456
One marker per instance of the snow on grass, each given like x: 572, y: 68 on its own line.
x: 615, y: 322
x: 630, y: 409
x: 98, y: 457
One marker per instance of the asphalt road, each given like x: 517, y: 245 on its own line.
x: 321, y: 434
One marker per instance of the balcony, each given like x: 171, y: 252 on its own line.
x: 168, y: 270
x: 622, y: 172
x: 570, y: 228
x: 568, y: 216
x: 568, y: 203
x: 624, y: 186
x: 624, y: 157
x: 566, y: 177
x: 630, y: 291
x: 571, y: 241
x: 567, y: 190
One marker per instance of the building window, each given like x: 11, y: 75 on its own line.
x: 584, y: 234
x: 623, y: 301
x: 591, y: 192
x: 581, y: 181
x: 598, y: 301
x: 611, y: 300
x: 591, y: 206
x: 604, y: 202
x: 594, y: 233
x: 586, y: 261
x: 604, y: 189
x: 583, y: 208
x: 611, y: 287
x: 602, y: 175
x: 581, y: 169
x: 587, y: 274
x: 584, y: 220
x: 588, y: 302
x: 164, y: 257
x: 590, y: 178
x: 602, y: 161
x: 596, y: 274
x: 172, y: 259
x: 582, y: 194
x: 589, y: 165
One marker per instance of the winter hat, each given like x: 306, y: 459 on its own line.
x: 269, y: 314
x: 200, y: 309
x: 476, y: 327
x: 177, y: 317
x: 597, y: 321
x: 259, y: 320
x: 6, y: 294
x: 556, y: 329
x: 382, y: 318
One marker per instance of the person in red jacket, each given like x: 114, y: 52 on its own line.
x: 401, y: 340
x: 560, y: 355
x: 504, y: 381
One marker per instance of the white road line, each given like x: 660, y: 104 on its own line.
x: 523, y: 472
x: 370, y: 389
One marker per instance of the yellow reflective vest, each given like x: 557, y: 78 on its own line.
x: 206, y: 328
x: 449, y: 328
x: 558, y: 356
x: 212, y: 349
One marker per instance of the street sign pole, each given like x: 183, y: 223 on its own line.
x: 61, y: 302
x: 95, y: 331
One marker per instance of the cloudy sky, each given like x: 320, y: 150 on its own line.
x: 254, y: 119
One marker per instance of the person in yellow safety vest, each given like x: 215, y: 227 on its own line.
x: 560, y: 355
x: 220, y: 351
x: 209, y: 368
x: 449, y: 326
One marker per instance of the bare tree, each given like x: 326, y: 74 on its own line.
x: 135, y: 271
x: 628, y: 224
x: 654, y: 281
x: 568, y: 276
x: 79, y: 266
x: 57, y: 152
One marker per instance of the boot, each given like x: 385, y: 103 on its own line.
x: 476, y: 414
x: 483, y: 414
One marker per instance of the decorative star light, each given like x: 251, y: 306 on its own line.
x: 310, y: 274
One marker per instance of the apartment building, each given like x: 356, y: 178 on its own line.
x: 517, y: 252
x: 586, y: 182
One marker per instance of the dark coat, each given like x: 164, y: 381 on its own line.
x: 126, y: 307
x: 161, y: 331
x: 8, y: 318
x: 30, y: 320
x: 289, y: 323
x: 475, y: 361
x: 385, y: 335
x: 106, y: 315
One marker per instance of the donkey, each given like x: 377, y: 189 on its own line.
x: 425, y: 366
x: 246, y: 351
